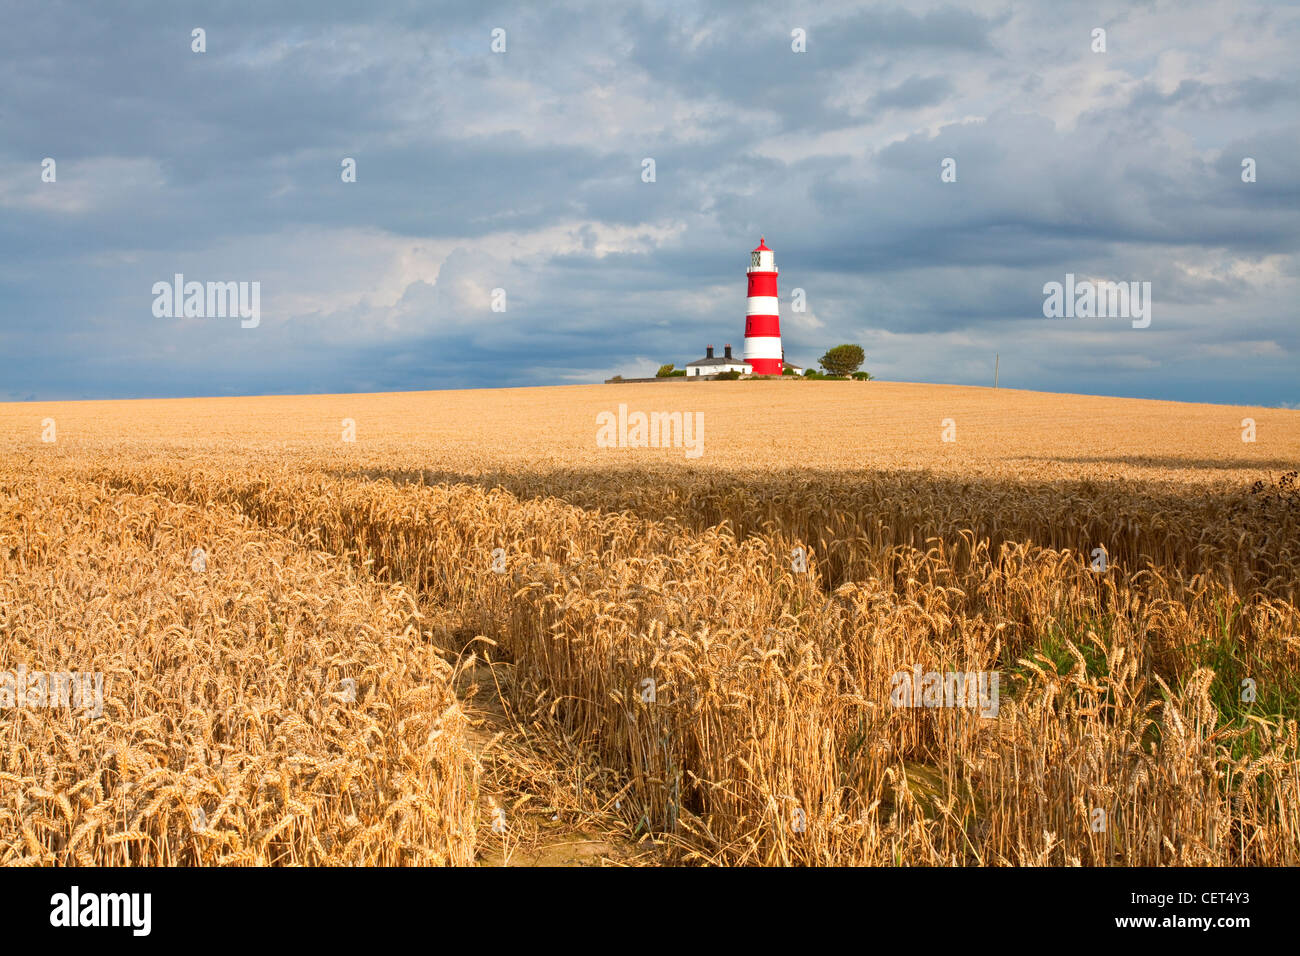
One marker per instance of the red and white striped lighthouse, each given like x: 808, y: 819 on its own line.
x: 762, y: 322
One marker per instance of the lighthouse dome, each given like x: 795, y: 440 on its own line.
x: 762, y: 258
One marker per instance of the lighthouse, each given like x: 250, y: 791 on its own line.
x: 762, y: 322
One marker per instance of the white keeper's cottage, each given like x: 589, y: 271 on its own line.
x: 711, y: 365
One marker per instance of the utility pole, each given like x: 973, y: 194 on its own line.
x: 996, y: 358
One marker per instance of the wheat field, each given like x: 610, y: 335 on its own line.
x: 448, y: 628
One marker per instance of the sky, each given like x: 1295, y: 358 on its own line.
x: 823, y: 127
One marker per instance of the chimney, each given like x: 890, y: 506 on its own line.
x: 727, y: 353
x: 708, y: 353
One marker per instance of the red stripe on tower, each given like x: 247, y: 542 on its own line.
x: 762, y: 323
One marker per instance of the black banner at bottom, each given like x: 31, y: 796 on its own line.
x: 338, y: 906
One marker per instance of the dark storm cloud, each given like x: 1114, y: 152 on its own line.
x: 913, y: 92
x: 744, y: 57
x: 523, y: 171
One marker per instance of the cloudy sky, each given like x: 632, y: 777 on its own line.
x: 523, y: 170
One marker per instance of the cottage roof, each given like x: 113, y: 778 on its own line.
x: 717, y: 360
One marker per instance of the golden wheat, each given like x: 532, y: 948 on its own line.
x: 733, y: 703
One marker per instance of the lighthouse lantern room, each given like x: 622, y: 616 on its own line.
x: 762, y: 320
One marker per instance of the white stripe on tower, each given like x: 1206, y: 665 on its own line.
x: 763, y: 347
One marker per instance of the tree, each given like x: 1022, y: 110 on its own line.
x: 665, y: 371
x: 842, y: 360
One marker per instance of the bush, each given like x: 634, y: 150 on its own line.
x: 730, y: 376
x: 842, y: 360
x: 862, y: 376
x: 664, y: 371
